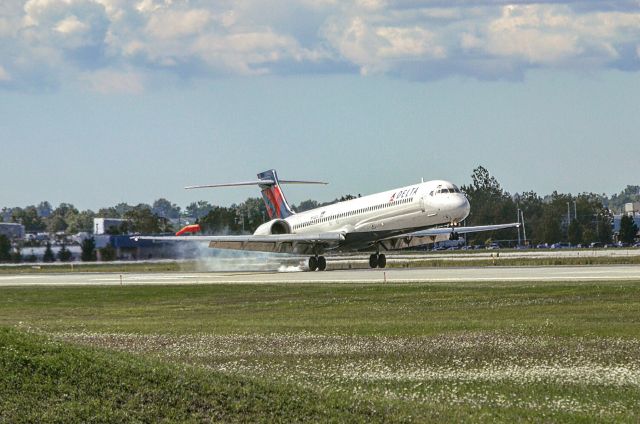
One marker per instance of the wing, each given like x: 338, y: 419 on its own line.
x: 277, y: 243
x: 462, y: 230
x: 433, y: 235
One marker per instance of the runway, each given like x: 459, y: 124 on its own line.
x: 391, y: 275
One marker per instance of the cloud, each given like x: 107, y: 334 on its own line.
x: 110, y: 81
x: 172, y: 24
x: 4, y: 75
x: 123, y: 44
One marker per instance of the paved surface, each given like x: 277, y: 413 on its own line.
x: 483, y: 274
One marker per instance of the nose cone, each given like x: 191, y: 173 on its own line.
x: 461, y: 207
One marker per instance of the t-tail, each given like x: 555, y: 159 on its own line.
x: 274, y: 200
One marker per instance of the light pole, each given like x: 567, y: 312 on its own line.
x: 568, y: 218
x: 518, y: 221
x: 524, y: 229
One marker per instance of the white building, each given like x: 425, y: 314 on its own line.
x: 107, y: 225
x: 632, y: 208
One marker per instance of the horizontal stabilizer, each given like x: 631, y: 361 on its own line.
x: 256, y: 182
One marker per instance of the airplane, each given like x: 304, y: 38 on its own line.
x: 410, y: 216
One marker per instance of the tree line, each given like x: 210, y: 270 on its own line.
x: 581, y: 218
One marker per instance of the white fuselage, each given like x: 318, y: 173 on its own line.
x: 417, y: 206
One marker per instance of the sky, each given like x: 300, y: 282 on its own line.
x: 109, y: 101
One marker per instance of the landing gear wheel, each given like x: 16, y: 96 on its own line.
x: 322, y: 263
x: 373, y: 261
x: 382, y: 261
x: 313, y: 263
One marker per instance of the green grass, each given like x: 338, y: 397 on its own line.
x: 512, y: 351
x: 97, y: 267
x: 507, y: 261
x: 558, y: 309
x: 47, y: 381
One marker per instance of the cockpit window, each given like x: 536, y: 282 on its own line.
x: 440, y: 189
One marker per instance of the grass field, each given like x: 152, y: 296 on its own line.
x: 330, y: 352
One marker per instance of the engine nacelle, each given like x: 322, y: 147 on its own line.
x: 275, y: 226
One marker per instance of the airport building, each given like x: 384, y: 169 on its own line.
x: 12, y: 230
x: 630, y: 209
x: 107, y: 225
x: 129, y: 249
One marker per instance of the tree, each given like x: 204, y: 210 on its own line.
x: 82, y: 221
x: 64, y: 255
x: 164, y: 208
x: 532, y: 208
x: 143, y: 220
x: 5, y: 248
x: 116, y: 211
x: 253, y: 212
x: 604, y: 231
x: 108, y: 213
x: 56, y: 223
x: 198, y: 209
x: 489, y: 203
x: 16, y: 255
x: 48, y: 254
x: 44, y: 209
x: 5, y: 214
x: 306, y: 205
x: 628, y: 229
x: 60, y: 218
x: 550, y: 231
x: 29, y: 218
x: 221, y: 221
x: 88, y: 250
x: 575, y: 232
x: 108, y: 253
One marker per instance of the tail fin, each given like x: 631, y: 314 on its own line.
x: 274, y: 200
x: 277, y: 206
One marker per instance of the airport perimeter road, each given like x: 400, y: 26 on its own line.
x: 481, y: 274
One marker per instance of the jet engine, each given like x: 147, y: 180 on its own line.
x: 275, y: 226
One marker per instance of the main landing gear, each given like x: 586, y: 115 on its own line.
x: 317, y: 263
x: 377, y: 260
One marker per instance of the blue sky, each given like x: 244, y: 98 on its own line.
x: 107, y: 101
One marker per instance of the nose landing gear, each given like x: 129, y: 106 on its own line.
x: 377, y: 260
x: 317, y: 263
